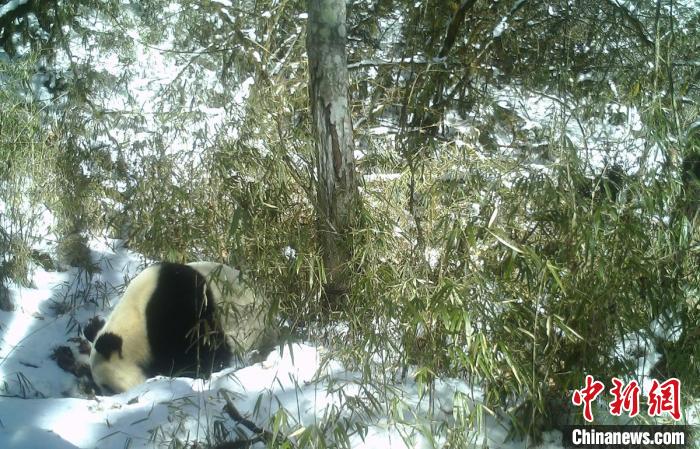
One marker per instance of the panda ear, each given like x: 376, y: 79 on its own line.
x: 93, y: 327
x: 108, y: 343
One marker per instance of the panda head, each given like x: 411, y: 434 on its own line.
x: 111, y: 372
x: 121, y: 350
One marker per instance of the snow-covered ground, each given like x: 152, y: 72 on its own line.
x: 297, y: 388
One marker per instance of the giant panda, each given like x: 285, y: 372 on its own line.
x: 177, y: 319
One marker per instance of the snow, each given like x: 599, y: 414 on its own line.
x: 153, y: 73
x: 11, y: 6
x: 501, y: 27
x: 289, y: 252
x: 299, y: 384
x: 611, y: 140
x: 377, y: 177
x: 43, y: 406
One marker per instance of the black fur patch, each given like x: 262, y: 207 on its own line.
x: 182, y: 331
x: 107, y: 343
x: 93, y: 327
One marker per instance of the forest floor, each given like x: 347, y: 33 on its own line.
x: 297, y: 387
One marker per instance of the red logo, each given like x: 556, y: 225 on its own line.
x: 662, y: 398
x: 626, y: 398
x: 588, y: 394
x: 665, y: 397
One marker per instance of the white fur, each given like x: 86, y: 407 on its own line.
x: 127, y: 320
x: 241, y: 313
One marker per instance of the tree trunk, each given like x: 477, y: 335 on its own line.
x: 337, y: 192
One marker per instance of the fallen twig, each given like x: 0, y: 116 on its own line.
x: 262, y: 435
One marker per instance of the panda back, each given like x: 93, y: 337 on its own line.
x: 180, y: 323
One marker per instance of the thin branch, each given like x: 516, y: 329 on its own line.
x: 382, y: 62
x: 633, y: 21
x: 453, y: 28
x: 262, y: 435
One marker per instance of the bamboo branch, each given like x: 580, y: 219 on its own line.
x: 453, y: 28
x: 261, y: 435
x: 634, y: 23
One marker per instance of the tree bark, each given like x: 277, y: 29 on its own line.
x: 337, y: 192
